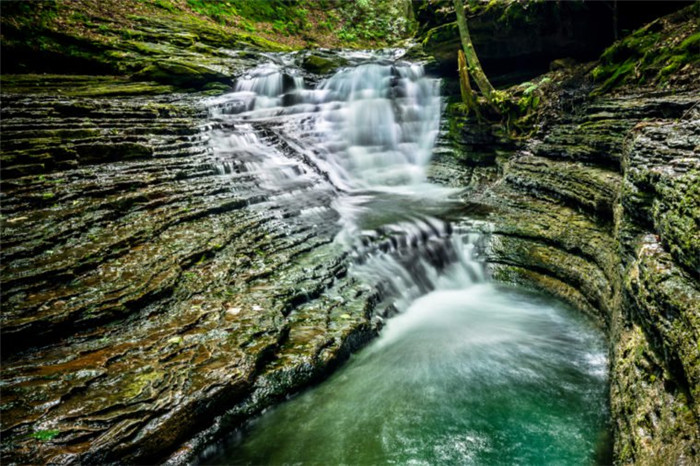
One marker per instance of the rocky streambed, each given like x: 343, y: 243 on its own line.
x: 144, y: 293
x: 174, y: 263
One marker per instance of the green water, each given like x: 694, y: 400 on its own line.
x: 484, y: 375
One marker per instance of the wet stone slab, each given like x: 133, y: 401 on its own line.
x: 145, y: 292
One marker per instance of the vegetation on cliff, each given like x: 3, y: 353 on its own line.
x: 186, y: 43
x: 663, y: 53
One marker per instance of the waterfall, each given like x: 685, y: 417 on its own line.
x: 379, y: 124
x: 369, y: 130
x: 372, y: 126
x: 458, y: 374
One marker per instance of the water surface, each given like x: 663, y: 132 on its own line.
x: 482, y: 375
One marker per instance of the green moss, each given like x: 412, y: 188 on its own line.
x: 674, y: 64
x: 650, y: 55
x: 445, y: 33
x: 322, y: 65
x: 181, y: 74
x: 691, y: 42
x: 45, y: 435
x: 614, y: 74
x: 139, y: 384
x: 677, y: 217
x: 79, y: 86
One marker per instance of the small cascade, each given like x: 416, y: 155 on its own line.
x: 372, y: 126
x: 261, y: 88
x: 244, y: 153
x: 419, y: 259
x: 370, y: 130
x: 383, y: 133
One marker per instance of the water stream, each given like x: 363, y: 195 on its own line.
x: 467, y: 371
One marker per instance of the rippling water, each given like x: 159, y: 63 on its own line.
x: 478, y: 375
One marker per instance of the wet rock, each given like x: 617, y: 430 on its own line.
x: 652, y: 415
x: 662, y: 163
x: 148, y: 299
x: 182, y: 74
x: 601, y: 209
x: 322, y: 63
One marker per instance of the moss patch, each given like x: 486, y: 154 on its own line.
x: 652, y: 54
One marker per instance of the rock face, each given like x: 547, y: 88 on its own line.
x: 518, y: 40
x: 146, y: 291
x: 602, y: 209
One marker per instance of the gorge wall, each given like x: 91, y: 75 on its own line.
x: 136, y: 297
x: 602, y: 208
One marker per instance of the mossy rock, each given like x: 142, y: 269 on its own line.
x: 652, y: 54
x: 79, y: 85
x: 95, y: 153
x: 322, y: 64
x: 442, y: 42
x: 180, y: 74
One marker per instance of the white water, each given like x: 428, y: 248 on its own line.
x: 378, y: 125
x: 372, y: 126
x: 467, y: 372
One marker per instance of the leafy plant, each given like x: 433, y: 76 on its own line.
x: 532, y: 95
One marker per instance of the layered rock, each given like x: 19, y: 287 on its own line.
x: 146, y: 291
x: 601, y: 207
x: 602, y: 210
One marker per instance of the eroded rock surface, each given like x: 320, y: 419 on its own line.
x: 602, y: 209
x: 148, y: 288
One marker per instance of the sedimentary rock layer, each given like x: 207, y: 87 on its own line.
x: 602, y: 209
x: 144, y: 292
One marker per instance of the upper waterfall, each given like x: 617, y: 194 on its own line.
x: 379, y: 124
x: 369, y: 126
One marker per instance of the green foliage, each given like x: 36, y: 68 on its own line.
x: 44, y: 435
x: 287, y: 17
x: 377, y: 20
x: 221, y: 11
x: 166, y: 5
x: 532, y: 95
x: 516, y: 109
x: 649, y: 56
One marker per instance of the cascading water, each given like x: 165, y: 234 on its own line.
x: 467, y: 372
x: 378, y: 124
